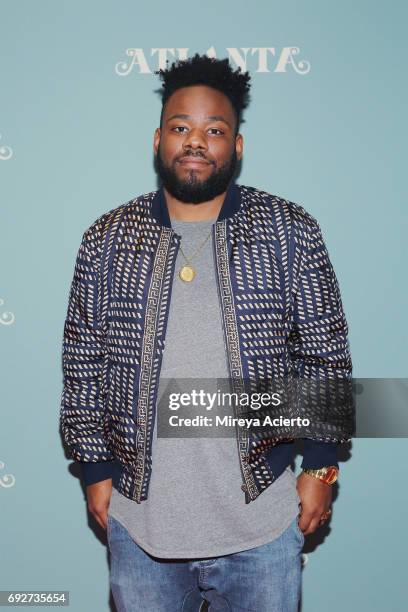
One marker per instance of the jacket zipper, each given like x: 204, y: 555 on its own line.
x: 137, y: 492
x: 224, y: 338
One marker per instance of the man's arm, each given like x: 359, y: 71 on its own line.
x: 319, y: 345
x: 82, y: 405
x: 319, y: 349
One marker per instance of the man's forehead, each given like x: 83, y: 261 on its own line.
x: 198, y: 101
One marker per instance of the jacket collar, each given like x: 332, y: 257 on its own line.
x: 230, y: 205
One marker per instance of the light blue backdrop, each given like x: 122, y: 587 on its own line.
x: 78, y: 138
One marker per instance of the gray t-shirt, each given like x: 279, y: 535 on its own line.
x: 195, y: 506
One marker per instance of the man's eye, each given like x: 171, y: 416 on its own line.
x: 179, y: 129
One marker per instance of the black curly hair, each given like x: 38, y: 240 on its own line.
x: 203, y: 70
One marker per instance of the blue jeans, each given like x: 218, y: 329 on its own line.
x: 262, y: 579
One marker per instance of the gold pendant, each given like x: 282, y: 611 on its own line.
x: 187, y: 273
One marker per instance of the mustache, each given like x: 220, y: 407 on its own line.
x: 198, y: 155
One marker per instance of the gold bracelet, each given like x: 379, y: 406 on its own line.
x: 327, y: 474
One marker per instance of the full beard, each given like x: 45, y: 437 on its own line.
x: 193, y: 190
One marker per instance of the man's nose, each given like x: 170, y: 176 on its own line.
x: 195, y: 139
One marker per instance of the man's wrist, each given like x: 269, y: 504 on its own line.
x: 327, y: 474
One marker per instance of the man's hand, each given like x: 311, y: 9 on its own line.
x: 315, y: 497
x: 98, y: 496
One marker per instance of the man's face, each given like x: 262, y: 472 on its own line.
x: 196, y: 148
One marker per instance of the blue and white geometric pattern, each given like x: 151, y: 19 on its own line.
x: 281, y: 309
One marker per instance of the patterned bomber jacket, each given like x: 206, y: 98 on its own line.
x: 281, y: 311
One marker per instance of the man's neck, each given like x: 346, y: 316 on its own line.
x: 182, y: 211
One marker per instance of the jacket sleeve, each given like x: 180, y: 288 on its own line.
x: 319, y: 345
x: 82, y: 403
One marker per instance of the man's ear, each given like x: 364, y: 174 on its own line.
x: 156, y: 140
x: 239, y: 145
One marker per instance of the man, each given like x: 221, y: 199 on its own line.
x: 253, y: 295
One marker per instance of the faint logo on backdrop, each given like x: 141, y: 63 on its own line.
x: 6, y: 480
x: 6, y: 318
x: 5, y: 152
x: 254, y: 59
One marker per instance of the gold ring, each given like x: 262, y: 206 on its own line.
x: 325, y: 516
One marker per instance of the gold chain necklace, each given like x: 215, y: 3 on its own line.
x: 188, y: 272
